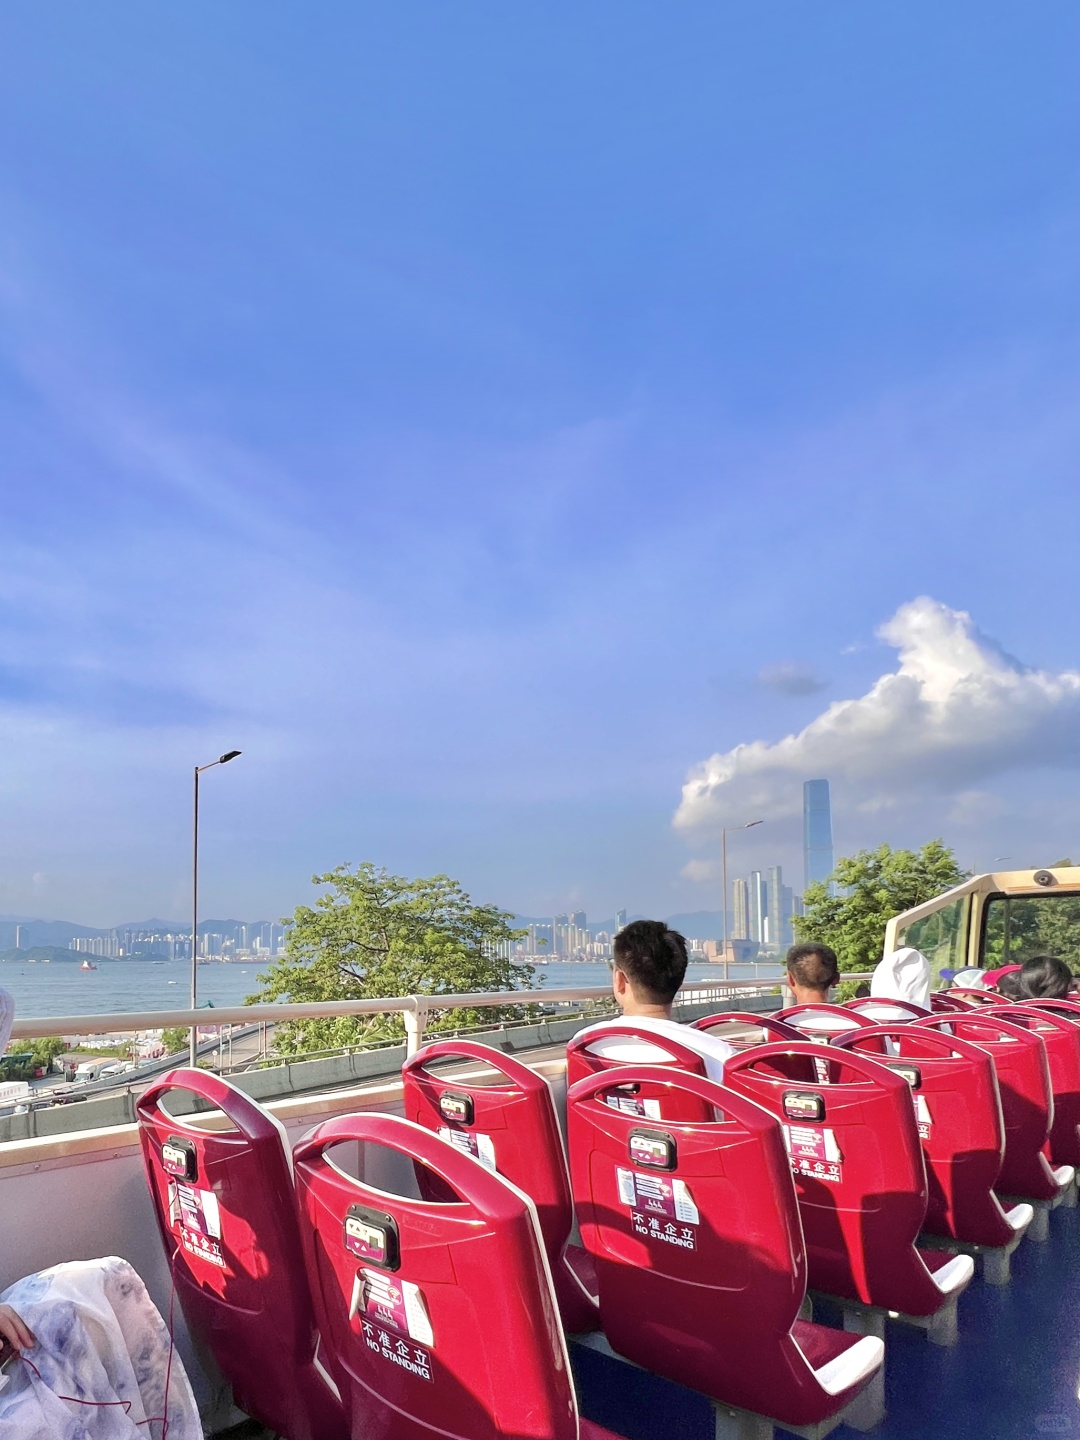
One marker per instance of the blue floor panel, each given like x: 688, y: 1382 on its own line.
x: 1013, y: 1375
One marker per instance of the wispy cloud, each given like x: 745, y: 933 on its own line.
x: 791, y: 678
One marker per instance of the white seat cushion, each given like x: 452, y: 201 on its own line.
x: 1064, y: 1175
x: 957, y: 1272
x: 1020, y: 1216
x: 851, y: 1366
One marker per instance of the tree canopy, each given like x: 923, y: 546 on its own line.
x: 851, y: 910
x: 372, y: 935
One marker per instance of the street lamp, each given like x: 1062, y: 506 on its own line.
x: 723, y: 850
x: 193, y: 1039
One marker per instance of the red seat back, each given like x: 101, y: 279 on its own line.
x: 771, y: 1028
x: 975, y: 997
x: 882, y: 1010
x: 512, y: 1128
x: 858, y: 1167
x: 822, y: 1021
x: 1027, y: 1104
x: 1060, y: 1033
x: 958, y: 1114
x: 699, y: 1254
x: 438, y: 1316
x: 227, y: 1215
x: 942, y: 1002
x: 648, y: 1099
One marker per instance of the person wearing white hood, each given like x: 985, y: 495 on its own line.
x: 903, y: 975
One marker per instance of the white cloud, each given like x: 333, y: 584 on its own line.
x: 956, y: 712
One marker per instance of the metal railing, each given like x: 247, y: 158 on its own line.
x: 414, y: 1009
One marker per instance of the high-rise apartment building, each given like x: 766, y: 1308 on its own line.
x: 620, y: 920
x: 817, y: 832
x: 781, y: 902
x: 560, y: 934
x: 740, y: 910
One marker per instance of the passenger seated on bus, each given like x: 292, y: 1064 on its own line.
x: 902, y: 975
x: 812, y: 971
x: 1042, y: 977
x: 648, y: 966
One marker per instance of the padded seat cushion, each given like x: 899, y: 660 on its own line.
x: 839, y: 1360
x: 1020, y: 1216
x: 950, y: 1272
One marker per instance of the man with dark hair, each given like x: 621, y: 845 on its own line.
x: 648, y: 968
x: 812, y: 971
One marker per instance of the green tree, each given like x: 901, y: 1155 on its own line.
x: 175, y: 1038
x: 372, y: 935
x: 45, y: 1050
x: 870, y: 888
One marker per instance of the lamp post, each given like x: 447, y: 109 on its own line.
x: 193, y: 1039
x: 723, y: 850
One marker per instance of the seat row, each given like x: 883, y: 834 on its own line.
x: 862, y: 1167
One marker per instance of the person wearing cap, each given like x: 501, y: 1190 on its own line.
x: 902, y: 975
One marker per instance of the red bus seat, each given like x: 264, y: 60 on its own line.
x: 439, y: 1316
x: 699, y: 1254
x: 958, y: 1114
x: 512, y: 1128
x: 946, y: 1002
x: 822, y: 1021
x: 885, y: 1010
x: 227, y: 1214
x: 859, y: 1174
x: 975, y: 997
x: 647, y: 1098
x: 769, y: 1027
x: 1027, y: 1102
x: 1060, y: 1033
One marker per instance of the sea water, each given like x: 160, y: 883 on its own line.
x: 61, y: 988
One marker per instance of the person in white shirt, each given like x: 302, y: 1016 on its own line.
x: 648, y: 967
x: 812, y: 971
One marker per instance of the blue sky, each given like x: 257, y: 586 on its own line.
x: 483, y: 415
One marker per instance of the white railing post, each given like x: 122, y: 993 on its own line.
x: 414, y: 1025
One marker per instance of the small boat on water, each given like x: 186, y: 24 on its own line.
x: 87, y: 965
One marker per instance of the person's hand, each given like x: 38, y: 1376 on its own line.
x: 15, y: 1330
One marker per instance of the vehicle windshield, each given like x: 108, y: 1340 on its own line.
x: 1015, y: 927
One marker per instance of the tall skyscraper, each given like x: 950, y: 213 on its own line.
x: 758, y: 907
x: 740, y: 909
x: 817, y: 831
x: 620, y: 920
